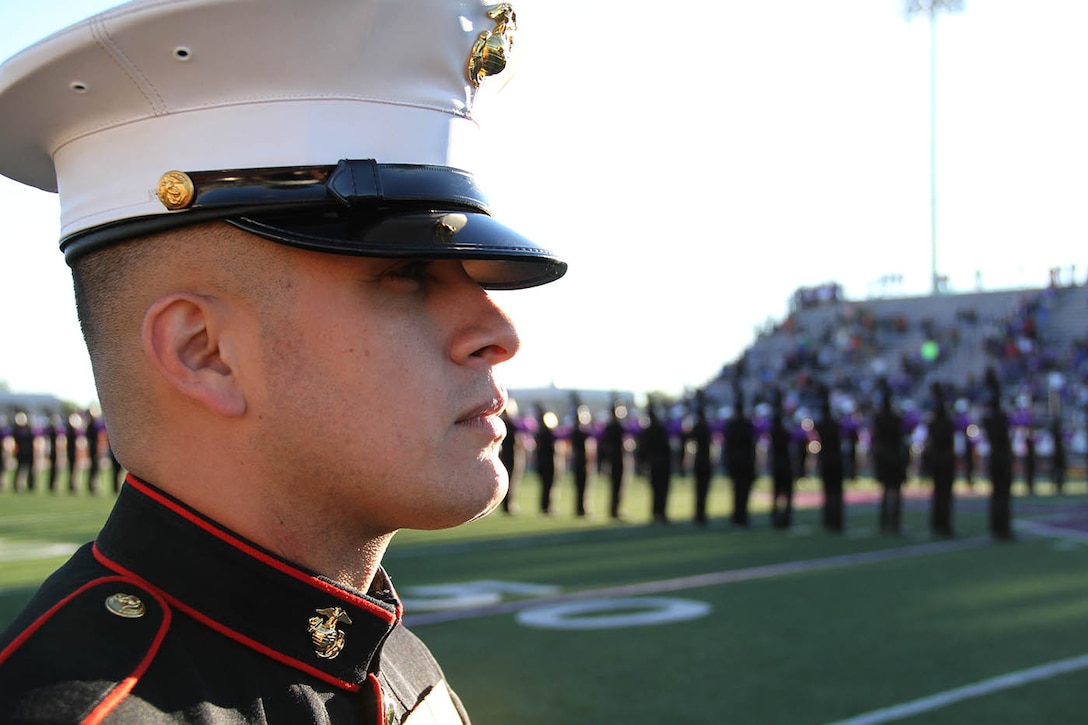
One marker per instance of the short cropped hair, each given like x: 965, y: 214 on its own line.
x: 111, y: 291
x: 107, y: 316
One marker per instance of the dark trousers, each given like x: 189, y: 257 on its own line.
x: 833, y: 519
x: 742, y: 490
x: 940, y: 520
x: 782, y: 505
x: 581, y: 484
x: 24, y: 469
x: 891, y: 509
x: 660, y: 475
x: 1001, y: 511
x: 702, y: 491
x: 616, y: 479
x: 547, y: 480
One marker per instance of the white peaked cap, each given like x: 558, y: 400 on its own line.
x: 377, y: 95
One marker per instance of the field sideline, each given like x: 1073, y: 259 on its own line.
x: 559, y: 619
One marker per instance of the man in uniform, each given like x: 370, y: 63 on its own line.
x: 1057, y: 458
x: 831, y: 466
x: 23, y: 433
x: 510, y: 454
x: 579, y: 456
x: 888, y: 461
x: 72, y: 427
x: 996, y: 424
x: 702, y: 469
x: 941, y: 455
x: 740, y: 457
x: 613, y: 451
x: 275, y: 248
x: 655, y: 458
x: 544, y: 447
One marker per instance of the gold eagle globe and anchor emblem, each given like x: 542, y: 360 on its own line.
x: 124, y: 605
x: 175, y: 190
x: 491, y: 51
x: 327, y: 639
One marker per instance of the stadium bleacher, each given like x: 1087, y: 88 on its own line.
x: 1035, y: 338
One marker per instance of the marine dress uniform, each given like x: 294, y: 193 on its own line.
x: 168, y: 615
x: 339, y: 127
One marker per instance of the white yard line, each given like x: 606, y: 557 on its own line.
x: 978, y: 689
x: 51, y: 517
x: 27, y: 550
x: 1052, y: 531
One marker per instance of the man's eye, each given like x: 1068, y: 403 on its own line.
x: 415, y: 271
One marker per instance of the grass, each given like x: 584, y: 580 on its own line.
x: 813, y: 645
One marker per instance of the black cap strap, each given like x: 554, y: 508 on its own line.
x: 355, y: 184
x: 352, y: 182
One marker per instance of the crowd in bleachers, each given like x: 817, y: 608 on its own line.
x: 1040, y: 359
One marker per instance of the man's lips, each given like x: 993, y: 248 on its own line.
x: 490, y: 408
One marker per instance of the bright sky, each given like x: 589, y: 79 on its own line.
x: 696, y: 162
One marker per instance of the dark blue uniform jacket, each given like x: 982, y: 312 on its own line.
x: 168, y: 617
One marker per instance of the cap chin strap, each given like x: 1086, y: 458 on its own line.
x: 352, y: 182
x: 355, y: 184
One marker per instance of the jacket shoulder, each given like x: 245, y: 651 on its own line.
x: 80, y: 645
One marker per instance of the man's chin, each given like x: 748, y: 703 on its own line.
x: 488, y: 493
x: 491, y: 507
x: 502, y: 486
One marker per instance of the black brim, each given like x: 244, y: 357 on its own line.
x: 494, y: 255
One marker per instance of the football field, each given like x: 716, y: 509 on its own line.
x: 560, y: 619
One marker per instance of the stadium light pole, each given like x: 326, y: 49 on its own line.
x: 932, y: 8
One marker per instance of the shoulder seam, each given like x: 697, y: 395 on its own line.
x: 122, y: 689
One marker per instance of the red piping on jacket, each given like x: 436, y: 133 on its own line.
x: 379, y: 697
x: 260, y: 555
x: 232, y: 634
x: 122, y: 689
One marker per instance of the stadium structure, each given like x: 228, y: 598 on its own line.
x: 1035, y: 340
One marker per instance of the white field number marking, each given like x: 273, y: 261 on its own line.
x: 467, y: 595
x: 613, y: 613
x: 581, y: 614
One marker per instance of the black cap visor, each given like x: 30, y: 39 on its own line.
x: 493, y: 255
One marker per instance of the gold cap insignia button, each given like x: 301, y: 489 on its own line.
x: 447, y: 226
x: 327, y: 639
x: 492, y: 48
x: 128, y: 606
x: 176, y: 190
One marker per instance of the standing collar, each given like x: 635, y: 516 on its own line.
x: 245, y: 592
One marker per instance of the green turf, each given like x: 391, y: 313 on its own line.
x: 810, y: 646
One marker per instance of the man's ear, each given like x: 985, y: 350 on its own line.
x: 182, y: 337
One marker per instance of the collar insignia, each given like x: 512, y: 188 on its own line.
x: 327, y: 639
